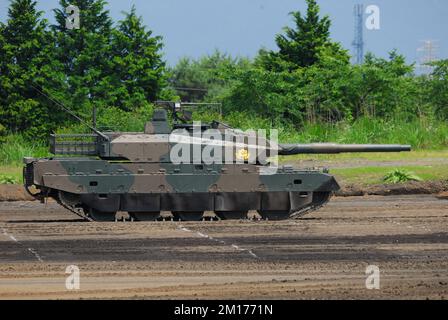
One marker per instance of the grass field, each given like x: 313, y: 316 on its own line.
x: 374, y: 175
x: 393, y: 156
x: 11, y: 173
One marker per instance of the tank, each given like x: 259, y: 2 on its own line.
x: 110, y: 176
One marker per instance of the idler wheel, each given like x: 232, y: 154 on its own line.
x: 231, y: 215
x: 188, y: 216
x: 69, y: 199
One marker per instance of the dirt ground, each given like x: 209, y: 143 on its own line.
x: 323, y: 256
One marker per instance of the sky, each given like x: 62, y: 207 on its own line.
x: 194, y: 28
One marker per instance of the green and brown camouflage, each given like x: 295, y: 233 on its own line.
x: 100, y: 175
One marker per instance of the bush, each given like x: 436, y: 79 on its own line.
x: 114, y: 119
x: 2, y: 133
x: 400, y: 176
x: 4, y: 179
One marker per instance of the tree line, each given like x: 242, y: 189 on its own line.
x: 98, y: 65
x: 118, y: 68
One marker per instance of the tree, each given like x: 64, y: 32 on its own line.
x: 205, y: 78
x: 382, y: 87
x: 439, y: 88
x: 137, y: 68
x: 2, y: 72
x: 25, y: 50
x: 84, y: 55
x: 300, y: 46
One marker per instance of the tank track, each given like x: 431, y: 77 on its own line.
x: 76, y: 210
x: 309, y: 209
x: 293, y: 216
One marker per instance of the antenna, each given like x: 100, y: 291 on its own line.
x: 429, y: 54
x: 70, y: 112
x: 358, y: 42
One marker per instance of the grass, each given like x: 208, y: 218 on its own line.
x: 12, y: 152
x: 11, y: 171
x: 393, y: 156
x: 375, y: 175
x: 15, y: 148
x: 421, y: 134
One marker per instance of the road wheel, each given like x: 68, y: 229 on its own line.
x: 145, y: 216
x: 273, y: 215
x: 100, y: 216
x: 231, y: 215
x: 188, y: 216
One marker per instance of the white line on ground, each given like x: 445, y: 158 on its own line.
x: 38, y: 257
x: 412, y: 227
x: 33, y: 251
x: 234, y: 246
x: 9, y: 235
x: 201, y: 235
x: 252, y: 254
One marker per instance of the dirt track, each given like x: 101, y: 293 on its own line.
x: 323, y: 256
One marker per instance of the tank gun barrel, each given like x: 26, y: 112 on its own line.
x: 334, y: 148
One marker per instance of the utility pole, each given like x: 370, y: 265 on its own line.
x: 358, y: 42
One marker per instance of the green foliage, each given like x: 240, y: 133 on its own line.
x: 7, y: 179
x: 301, y: 46
x: 3, y: 133
x: 137, y: 68
x: 383, y: 87
x: 400, y: 176
x: 83, y: 55
x: 310, y: 80
x: 438, y: 88
x: 205, y: 79
x: 95, y: 66
x: 16, y: 147
x: 24, y: 52
x: 118, y: 68
x: 330, y: 90
x: 115, y: 119
x: 420, y: 133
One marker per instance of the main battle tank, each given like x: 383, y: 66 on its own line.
x: 105, y: 176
